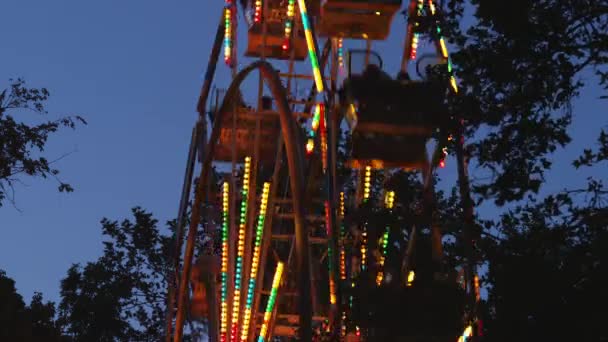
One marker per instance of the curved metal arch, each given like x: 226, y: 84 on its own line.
x: 295, y: 166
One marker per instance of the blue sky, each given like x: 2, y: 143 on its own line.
x: 133, y: 69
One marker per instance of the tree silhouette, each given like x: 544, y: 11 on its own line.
x: 22, y: 323
x: 521, y: 64
x: 22, y: 144
x: 122, y: 294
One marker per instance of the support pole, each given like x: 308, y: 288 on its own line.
x: 198, y: 133
x: 179, y: 234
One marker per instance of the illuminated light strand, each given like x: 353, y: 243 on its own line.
x: 477, y: 299
x: 255, y: 261
x: 330, y: 255
x: 384, y: 245
x: 236, y: 301
x: 476, y: 287
x: 468, y: 332
x: 316, y: 119
x: 454, y: 84
x: 367, y: 181
x: 323, y: 130
x: 312, y: 53
x: 342, y: 237
x: 342, y: 204
x: 276, y: 282
x: 442, y: 46
x: 364, y: 247
x: 227, y: 35
x: 310, y: 145
x: 444, y: 50
x: 444, y: 154
x: 389, y: 201
x: 343, y: 325
x: 410, y: 278
x: 416, y: 37
x: 341, y: 53
x: 289, y: 23
x: 342, y: 263
x: 224, y: 269
x: 317, y: 116
x: 414, y: 48
x: 257, y: 14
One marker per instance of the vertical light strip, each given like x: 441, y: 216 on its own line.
x: 444, y: 50
x: 236, y: 301
x: 341, y: 53
x: 312, y: 53
x: 410, y: 278
x: 330, y: 255
x: 323, y: 129
x: 343, y: 325
x: 367, y: 181
x: 364, y: 247
x: 476, y: 287
x: 228, y: 34
x: 310, y: 145
x: 257, y: 14
x: 255, y: 262
x: 316, y: 118
x: 314, y: 126
x: 444, y: 154
x: 271, y: 301
x: 224, y: 270
x: 468, y: 332
x: 416, y: 37
x: 389, y: 201
x: 442, y: 47
x: 289, y: 23
x: 384, y: 245
x: 342, y: 237
x: 342, y: 262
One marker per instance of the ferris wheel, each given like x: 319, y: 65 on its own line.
x: 304, y: 227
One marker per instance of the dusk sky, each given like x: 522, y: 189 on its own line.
x: 133, y: 69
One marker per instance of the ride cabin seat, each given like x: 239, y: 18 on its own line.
x: 392, y: 120
x: 357, y: 19
x: 275, y: 36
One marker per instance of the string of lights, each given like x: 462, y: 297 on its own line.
x: 289, y: 24
x: 312, y: 52
x: 236, y: 301
x: 276, y: 282
x: 228, y: 33
x: 255, y: 261
x: 389, y: 201
x: 224, y: 264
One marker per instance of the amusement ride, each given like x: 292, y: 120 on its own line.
x: 293, y: 191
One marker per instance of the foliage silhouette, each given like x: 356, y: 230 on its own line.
x: 22, y: 144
